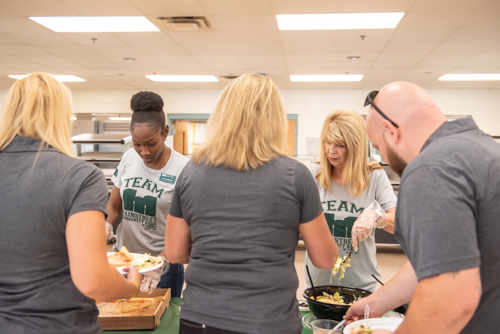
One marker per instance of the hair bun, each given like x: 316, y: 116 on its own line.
x: 146, y: 101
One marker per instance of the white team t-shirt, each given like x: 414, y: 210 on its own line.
x: 146, y: 194
x: 341, y: 211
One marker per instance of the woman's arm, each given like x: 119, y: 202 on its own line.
x: 391, y: 219
x: 177, y: 240
x: 319, y: 242
x: 114, y: 205
x: 90, y: 271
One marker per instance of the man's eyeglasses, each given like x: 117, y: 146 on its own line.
x: 369, y: 101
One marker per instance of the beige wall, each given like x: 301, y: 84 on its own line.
x: 311, y: 105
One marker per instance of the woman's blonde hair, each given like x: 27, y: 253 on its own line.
x: 346, y: 128
x: 248, y: 126
x: 38, y: 106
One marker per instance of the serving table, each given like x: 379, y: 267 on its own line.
x: 169, y: 323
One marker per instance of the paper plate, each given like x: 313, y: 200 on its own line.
x: 141, y: 271
x: 376, y: 323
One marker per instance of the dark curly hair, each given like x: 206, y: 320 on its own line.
x: 147, y: 108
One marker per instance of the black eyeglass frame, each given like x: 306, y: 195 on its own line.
x: 369, y: 101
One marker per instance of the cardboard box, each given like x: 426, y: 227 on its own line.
x: 149, y: 321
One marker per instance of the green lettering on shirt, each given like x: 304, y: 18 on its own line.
x: 353, y: 207
x: 331, y: 205
x: 136, y: 182
x: 127, y: 180
x: 146, y: 184
x: 157, y: 191
x: 343, y: 204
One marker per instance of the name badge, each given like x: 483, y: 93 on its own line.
x: 167, y: 178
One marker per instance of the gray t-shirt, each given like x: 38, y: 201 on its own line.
x: 448, y: 211
x: 146, y: 194
x: 36, y: 291
x: 244, y: 231
x: 341, y: 211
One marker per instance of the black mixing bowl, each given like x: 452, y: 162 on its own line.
x: 331, y: 311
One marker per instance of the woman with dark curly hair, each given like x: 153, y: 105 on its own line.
x: 143, y: 185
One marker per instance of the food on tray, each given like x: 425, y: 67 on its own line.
x: 121, y: 258
x: 336, y: 299
x: 341, y: 265
x: 361, y: 330
x: 135, y: 307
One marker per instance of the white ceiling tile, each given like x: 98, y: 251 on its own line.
x: 475, y: 34
x: 41, y: 38
x: 6, y: 39
x: 237, y: 7
x: 306, y: 7
x: 245, y: 22
x: 116, y: 52
x: 430, y: 65
x: 211, y: 58
x: 103, y: 8
x: 161, y: 50
x: 445, y: 5
x: 364, y: 36
x: 265, y: 66
x: 399, y: 56
x: 380, y: 6
x: 401, y: 47
x: 480, y: 66
x: 203, y: 37
x: 88, y: 38
x: 22, y: 50
x: 174, y: 58
x: 461, y: 46
x: 308, y: 57
x: 489, y: 18
x: 20, y: 24
x: 40, y: 7
x: 492, y: 4
x: 352, y: 67
x: 208, y: 49
x: 452, y: 56
x: 147, y: 67
x: 169, y: 8
x: 394, y: 64
x: 262, y: 57
x: 422, y: 35
x: 308, y: 37
x: 226, y: 67
x: 488, y: 56
x: 301, y: 48
x: 187, y: 69
x: 253, y: 49
x: 418, y: 20
x: 252, y: 37
x: 299, y: 67
x: 138, y: 38
x: 5, y: 12
x: 353, y: 48
x: 363, y: 56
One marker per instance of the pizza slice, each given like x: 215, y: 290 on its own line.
x: 121, y: 259
x: 134, y: 307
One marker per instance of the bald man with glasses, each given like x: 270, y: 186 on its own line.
x: 447, y: 217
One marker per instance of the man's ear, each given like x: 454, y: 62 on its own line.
x: 391, y: 131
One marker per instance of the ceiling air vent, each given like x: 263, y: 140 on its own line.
x: 184, y: 23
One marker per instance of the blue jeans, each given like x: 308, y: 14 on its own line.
x: 173, y: 279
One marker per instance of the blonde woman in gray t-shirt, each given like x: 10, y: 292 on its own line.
x: 348, y: 183
x: 236, y: 214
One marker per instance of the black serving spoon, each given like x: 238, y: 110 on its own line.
x: 312, y: 285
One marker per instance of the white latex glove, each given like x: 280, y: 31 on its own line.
x: 372, y: 217
x: 152, y: 278
x: 110, y: 236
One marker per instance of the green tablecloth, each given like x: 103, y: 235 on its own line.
x: 169, y: 323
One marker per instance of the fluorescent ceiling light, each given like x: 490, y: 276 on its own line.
x: 63, y: 78
x: 326, y: 78
x: 73, y: 118
x: 183, y: 78
x: 120, y: 118
x: 339, y: 21
x: 470, y: 77
x: 96, y: 23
